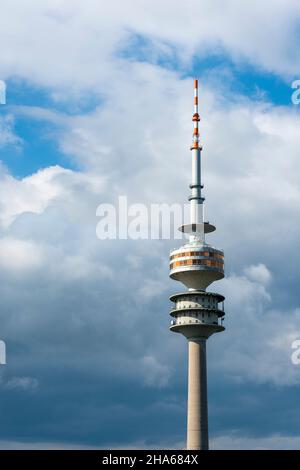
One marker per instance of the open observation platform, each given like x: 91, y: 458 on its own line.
x: 197, y: 313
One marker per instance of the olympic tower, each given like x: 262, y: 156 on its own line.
x: 197, y: 313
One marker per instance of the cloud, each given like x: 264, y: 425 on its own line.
x: 47, y: 187
x: 22, y: 383
x: 18, y: 445
x: 82, y: 40
x: 259, y: 337
x: 258, y: 273
x: 140, y: 444
x: 19, y: 255
x: 17, y: 383
x: 99, y: 300
x: 96, y: 312
x: 31, y: 194
x: 7, y: 133
x: 100, y: 308
x: 274, y: 442
x: 155, y: 374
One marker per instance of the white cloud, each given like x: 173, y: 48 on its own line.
x: 81, y: 39
x: 274, y: 442
x: 30, y: 194
x: 47, y: 187
x: 38, y: 445
x: 258, y: 273
x: 155, y: 374
x: 20, y: 255
x: 22, y: 383
x: 257, y: 345
x: 225, y: 442
x: 7, y: 133
x: 150, y: 288
x: 143, y: 163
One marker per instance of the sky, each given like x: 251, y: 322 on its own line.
x: 98, y: 104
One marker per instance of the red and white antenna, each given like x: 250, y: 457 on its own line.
x: 196, y: 118
x: 196, y: 199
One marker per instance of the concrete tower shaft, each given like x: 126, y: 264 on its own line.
x: 197, y: 417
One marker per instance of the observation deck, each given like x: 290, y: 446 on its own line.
x: 196, y: 266
x: 197, y: 313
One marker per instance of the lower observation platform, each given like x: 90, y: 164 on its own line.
x: 197, y: 314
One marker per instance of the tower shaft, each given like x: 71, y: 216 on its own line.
x: 197, y: 418
x: 196, y: 199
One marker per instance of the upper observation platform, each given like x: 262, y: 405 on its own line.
x: 196, y: 266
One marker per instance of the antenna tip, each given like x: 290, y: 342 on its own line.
x: 196, y: 83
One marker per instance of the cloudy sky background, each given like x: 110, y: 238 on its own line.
x: 99, y: 103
